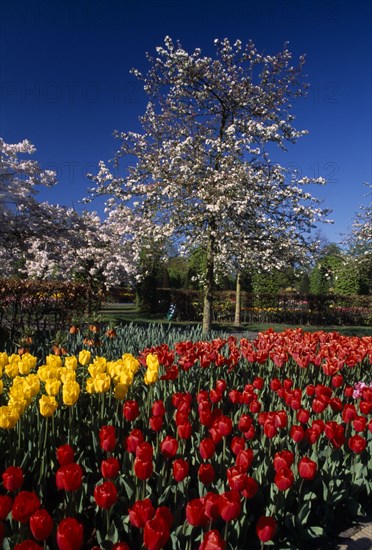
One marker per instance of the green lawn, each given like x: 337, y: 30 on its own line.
x: 126, y: 313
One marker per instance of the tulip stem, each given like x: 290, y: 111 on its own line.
x: 107, y: 523
x: 225, y: 532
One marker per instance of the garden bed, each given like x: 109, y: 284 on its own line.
x: 187, y: 443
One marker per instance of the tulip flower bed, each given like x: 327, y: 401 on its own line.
x: 202, y: 445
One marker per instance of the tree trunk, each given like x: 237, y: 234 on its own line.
x: 208, y: 288
x: 238, y: 296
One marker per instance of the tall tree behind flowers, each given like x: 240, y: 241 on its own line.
x: 358, y: 243
x: 199, y: 169
x: 46, y: 241
x: 21, y: 215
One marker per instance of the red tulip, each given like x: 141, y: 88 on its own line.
x: 275, y: 384
x: 207, y: 448
x: 337, y: 380
x: 230, y: 505
x: 144, y: 451
x: 244, y: 459
x: 25, y: 504
x: 105, y: 495
x: 107, y: 438
x: 211, y: 502
x: 110, y: 467
x: 251, y: 488
x: 265, y: 528
x: 297, y: 433
x: 169, y: 446
x: 195, y: 514
x: 165, y: 513
x: 251, y: 433
x: 70, y: 534
x: 335, y: 433
x: 143, y: 469
x: 12, y: 478
x: 180, y: 469
x: 206, y: 473
x: 41, y: 524
x: 270, y: 430
x: 359, y: 423
x: 283, y: 459
x: 237, y: 444
x: 235, y: 396
x: 133, y: 440
x: 156, y: 533
x: 245, y: 422
x: 255, y: 407
x: 6, y: 503
x: 69, y: 477
x: 65, y: 454
x: 184, y: 431
x: 156, y: 423
x: 130, y: 410
x: 158, y: 408
x: 349, y: 413
x: 303, y: 416
x: 212, y: 540
x: 141, y: 511
x: 307, y: 468
x: 258, y: 383
x: 237, y: 478
x: 357, y: 443
x: 120, y: 546
x: 284, y: 479
x: 28, y: 545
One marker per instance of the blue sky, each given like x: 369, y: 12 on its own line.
x: 66, y: 86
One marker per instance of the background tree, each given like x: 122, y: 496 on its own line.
x: 359, y: 244
x: 200, y: 172
x: 21, y: 215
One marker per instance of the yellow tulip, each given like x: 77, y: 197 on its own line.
x: 89, y: 385
x: 112, y: 367
x: 101, y: 361
x: 33, y: 382
x: 94, y: 370
x: 9, y: 417
x: 66, y: 374
x: 1, y: 387
x: 125, y: 377
x: 52, y: 386
x: 84, y: 357
x: 70, y: 392
x: 151, y: 376
x: 47, y: 405
x: 131, y: 362
x: 11, y: 370
x: 19, y: 405
x: 152, y: 361
x: 71, y: 362
x: 27, y: 363
x: 20, y: 391
x: 102, y: 383
x: 47, y: 372
x: 120, y: 391
x: 54, y: 361
x: 4, y: 360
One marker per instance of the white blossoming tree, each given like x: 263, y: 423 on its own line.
x: 199, y: 170
x: 359, y: 243
x: 47, y: 241
x: 21, y: 215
